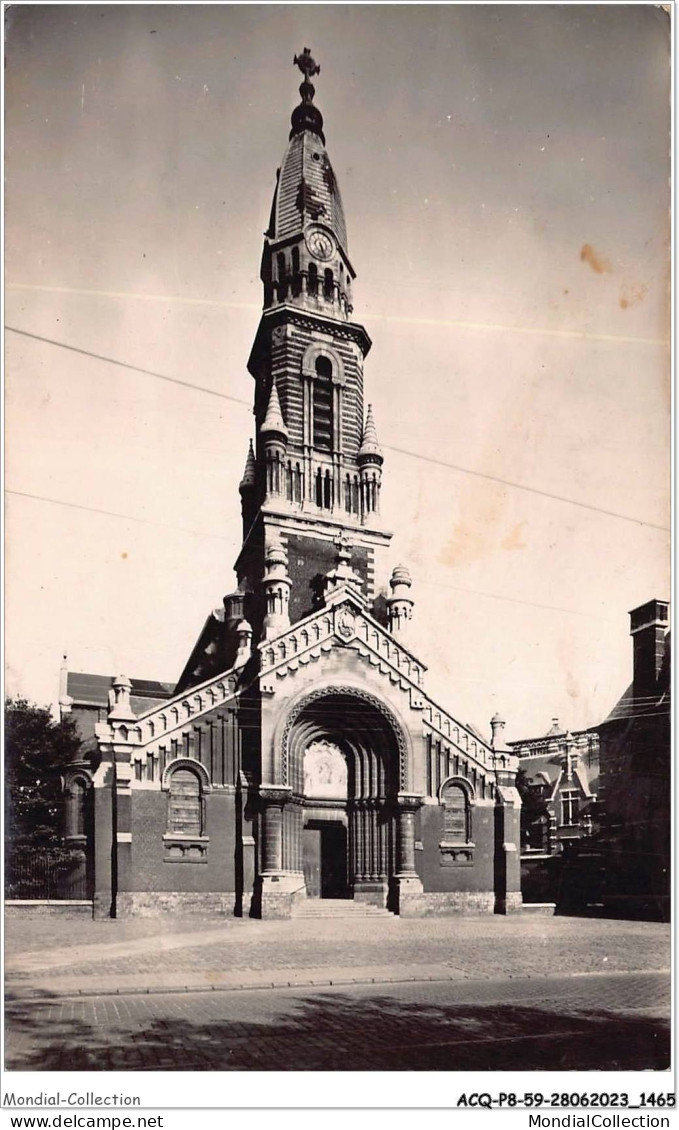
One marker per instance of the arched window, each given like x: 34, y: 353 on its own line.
x: 282, y: 280
x: 328, y: 491
x: 312, y: 285
x: 327, y: 283
x: 456, y: 813
x: 296, y: 280
x: 185, y: 811
x: 322, y: 405
x: 347, y: 494
x: 75, y: 796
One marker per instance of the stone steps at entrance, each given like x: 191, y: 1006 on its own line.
x: 338, y: 908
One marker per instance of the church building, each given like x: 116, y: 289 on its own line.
x: 299, y: 758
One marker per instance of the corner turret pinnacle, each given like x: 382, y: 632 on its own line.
x: 370, y: 450
x: 273, y: 421
x: 249, y: 474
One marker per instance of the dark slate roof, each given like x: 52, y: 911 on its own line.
x: 623, y: 707
x: 626, y: 708
x: 92, y: 690
x: 307, y: 191
x: 549, y: 765
x: 544, y: 739
x: 547, y: 770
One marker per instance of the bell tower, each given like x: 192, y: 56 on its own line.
x: 312, y: 481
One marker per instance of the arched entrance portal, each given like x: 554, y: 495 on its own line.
x: 343, y: 769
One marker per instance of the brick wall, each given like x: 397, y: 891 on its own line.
x: 309, y: 559
x: 478, y: 876
x: 150, y: 871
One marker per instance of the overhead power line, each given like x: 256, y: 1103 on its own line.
x: 399, y: 319
x: 114, y: 514
x: 389, y: 447
x: 220, y: 537
x: 530, y: 490
x: 132, y: 368
x: 510, y: 599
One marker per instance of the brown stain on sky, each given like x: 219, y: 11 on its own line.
x: 514, y: 539
x: 474, y: 535
x: 597, y: 262
x: 630, y: 295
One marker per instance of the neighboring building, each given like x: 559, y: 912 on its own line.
x: 299, y: 756
x: 562, y: 769
x: 635, y: 787
x: 607, y: 792
x: 87, y: 698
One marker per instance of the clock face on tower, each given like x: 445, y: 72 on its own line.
x: 320, y: 243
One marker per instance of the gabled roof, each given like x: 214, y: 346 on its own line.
x: 205, y: 652
x: 92, y: 690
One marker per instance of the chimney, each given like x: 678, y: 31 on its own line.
x: 648, y: 626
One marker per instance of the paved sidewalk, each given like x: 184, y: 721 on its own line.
x: 68, y: 955
x: 323, y: 975
x: 81, y: 958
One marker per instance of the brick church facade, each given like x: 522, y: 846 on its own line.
x: 299, y: 756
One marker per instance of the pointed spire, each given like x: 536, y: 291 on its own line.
x: 370, y: 450
x: 248, y: 479
x: 273, y: 421
x: 65, y: 700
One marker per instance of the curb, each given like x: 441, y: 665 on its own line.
x: 39, y: 996
x: 42, y: 996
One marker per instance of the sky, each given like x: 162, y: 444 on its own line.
x: 504, y: 172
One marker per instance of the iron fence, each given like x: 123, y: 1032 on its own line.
x: 31, y: 873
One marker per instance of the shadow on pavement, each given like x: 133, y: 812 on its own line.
x: 335, y: 1032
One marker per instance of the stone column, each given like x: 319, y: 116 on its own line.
x: 279, y: 887
x: 406, y: 841
x: 273, y: 800
x: 103, y: 904
x: 122, y: 777
x: 113, y: 806
x: 410, y: 890
x: 506, y: 856
x: 407, y: 807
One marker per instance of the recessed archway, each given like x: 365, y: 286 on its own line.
x: 344, y: 758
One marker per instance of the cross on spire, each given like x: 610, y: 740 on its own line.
x: 307, y: 64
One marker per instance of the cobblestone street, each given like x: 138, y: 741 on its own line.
x: 527, y: 992
x: 612, y: 1022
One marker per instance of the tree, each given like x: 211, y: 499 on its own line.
x: 533, y: 806
x: 37, y: 750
